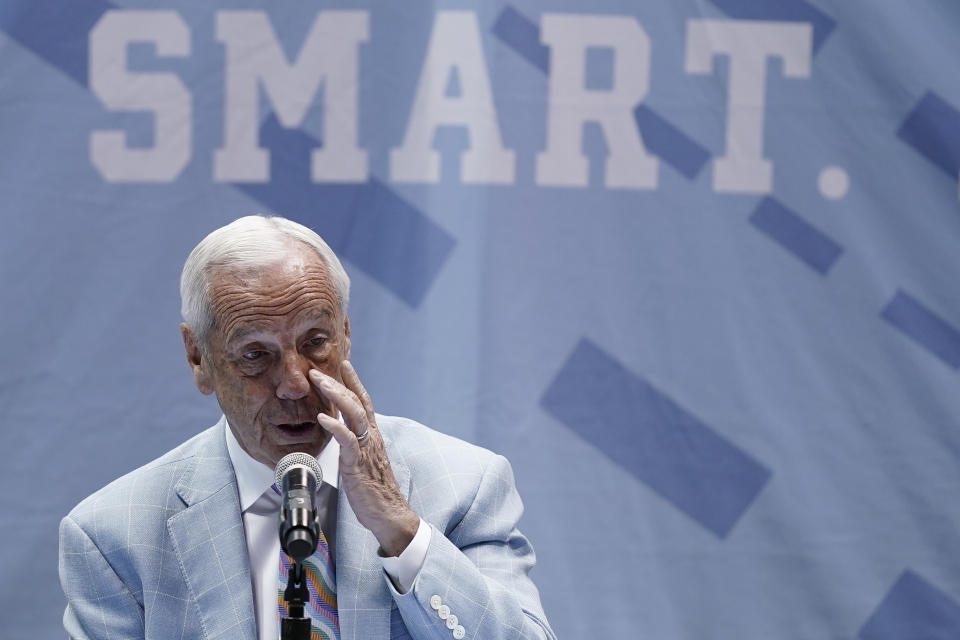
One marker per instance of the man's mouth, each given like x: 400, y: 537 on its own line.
x: 296, y: 427
x: 293, y: 432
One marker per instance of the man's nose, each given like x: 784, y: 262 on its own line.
x: 293, y: 377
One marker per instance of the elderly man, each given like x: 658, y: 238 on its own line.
x: 420, y: 537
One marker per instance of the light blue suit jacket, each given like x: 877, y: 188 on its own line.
x: 161, y: 552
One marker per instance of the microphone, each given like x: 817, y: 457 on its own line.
x: 298, y: 477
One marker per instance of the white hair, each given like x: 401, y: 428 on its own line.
x: 248, y: 243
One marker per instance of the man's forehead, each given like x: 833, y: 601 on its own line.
x: 268, y: 328
x: 291, y: 293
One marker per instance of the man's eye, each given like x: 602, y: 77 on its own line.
x: 319, y: 341
x: 253, y: 355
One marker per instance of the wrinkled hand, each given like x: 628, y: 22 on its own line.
x: 365, y: 470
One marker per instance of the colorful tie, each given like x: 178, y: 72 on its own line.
x: 322, y: 584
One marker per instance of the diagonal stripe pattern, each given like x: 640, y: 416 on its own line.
x: 649, y: 434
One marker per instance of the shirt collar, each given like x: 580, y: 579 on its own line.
x: 254, y: 477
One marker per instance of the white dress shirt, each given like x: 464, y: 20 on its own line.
x: 261, y: 515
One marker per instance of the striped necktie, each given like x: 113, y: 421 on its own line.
x: 322, y: 584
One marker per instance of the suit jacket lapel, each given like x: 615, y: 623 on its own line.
x: 363, y: 599
x: 214, y: 561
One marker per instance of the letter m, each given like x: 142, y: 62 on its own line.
x: 254, y: 58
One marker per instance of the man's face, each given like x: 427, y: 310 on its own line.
x: 271, y: 327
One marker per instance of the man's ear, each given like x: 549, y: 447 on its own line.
x: 346, y: 338
x: 197, y: 360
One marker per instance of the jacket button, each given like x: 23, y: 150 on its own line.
x: 459, y: 632
x: 435, y: 601
x: 452, y: 621
x: 443, y: 611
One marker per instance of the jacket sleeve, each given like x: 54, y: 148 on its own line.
x: 99, y: 604
x: 474, y: 582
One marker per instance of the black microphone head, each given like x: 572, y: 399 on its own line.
x: 297, y: 459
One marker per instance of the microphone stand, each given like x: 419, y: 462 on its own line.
x: 296, y: 626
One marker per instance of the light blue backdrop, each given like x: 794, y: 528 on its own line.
x: 720, y: 346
